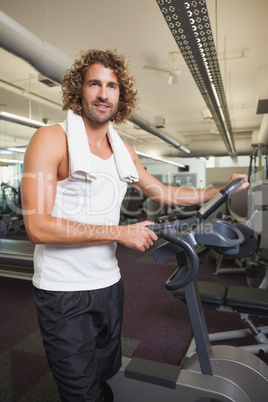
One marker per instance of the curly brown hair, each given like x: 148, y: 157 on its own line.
x: 74, y: 77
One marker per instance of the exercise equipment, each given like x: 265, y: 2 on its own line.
x: 252, y: 258
x: 213, y: 373
x: 16, y: 259
x: 240, y: 300
x: 11, y: 209
x: 258, y: 167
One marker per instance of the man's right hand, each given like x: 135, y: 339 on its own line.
x: 137, y: 236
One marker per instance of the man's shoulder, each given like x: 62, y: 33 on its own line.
x: 52, y: 133
x: 50, y: 140
x: 129, y: 148
x: 131, y: 151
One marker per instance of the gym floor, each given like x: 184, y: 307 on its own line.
x: 156, y: 326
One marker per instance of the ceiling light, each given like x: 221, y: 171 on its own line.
x: 170, y: 79
x: 184, y: 149
x: 24, y: 121
x: 160, y: 159
x: 11, y: 160
x: 21, y: 150
x: 190, y: 26
x: 5, y: 152
x: 154, y: 154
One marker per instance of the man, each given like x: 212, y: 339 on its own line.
x: 74, y: 179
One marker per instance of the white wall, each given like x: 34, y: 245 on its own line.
x: 196, y: 166
x: 214, y: 170
x: 220, y: 169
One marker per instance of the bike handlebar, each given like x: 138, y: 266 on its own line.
x: 170, y: 231
x: 203, y: 213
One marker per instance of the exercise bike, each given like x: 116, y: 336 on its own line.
x: 214, y: 373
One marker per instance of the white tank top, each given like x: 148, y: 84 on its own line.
x: 95, y: 202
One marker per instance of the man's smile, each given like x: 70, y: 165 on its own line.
x: 102, y: 106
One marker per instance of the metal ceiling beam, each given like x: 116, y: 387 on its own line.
x: 189, y: 24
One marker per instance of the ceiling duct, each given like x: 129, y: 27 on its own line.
x: 23, y: 121
x: 138, y: 119
x: 190, y: 26
x: 52, y: 62
x: 44, y: 56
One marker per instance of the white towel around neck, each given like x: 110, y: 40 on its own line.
x: 81, y: 162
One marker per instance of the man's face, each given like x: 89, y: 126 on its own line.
x: 100, y: 94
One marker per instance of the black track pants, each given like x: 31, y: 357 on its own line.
x: 81, y: 335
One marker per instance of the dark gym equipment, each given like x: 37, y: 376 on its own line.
x: 213, y: 373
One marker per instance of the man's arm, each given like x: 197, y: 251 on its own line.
x: 171, y: 195
x: 44, y: 159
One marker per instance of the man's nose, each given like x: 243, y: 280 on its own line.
x: 102, y: 93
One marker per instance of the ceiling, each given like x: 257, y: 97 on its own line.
x: 139, y: 30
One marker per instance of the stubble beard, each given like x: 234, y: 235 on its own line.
x: 97, y: 116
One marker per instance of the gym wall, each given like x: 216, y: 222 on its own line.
x: 223, y: 174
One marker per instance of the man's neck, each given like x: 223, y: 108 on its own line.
x: 96, y: 132
x: 97, y: 138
